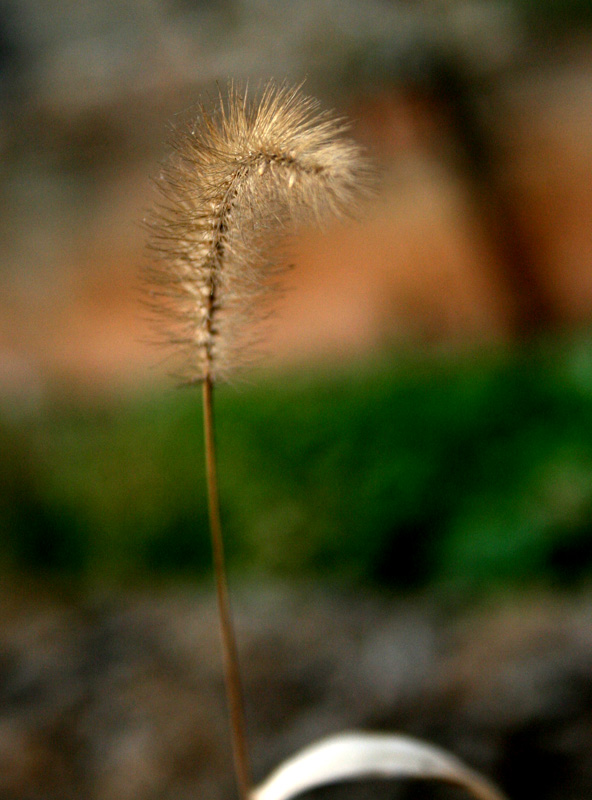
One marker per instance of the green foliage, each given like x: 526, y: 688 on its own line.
x: 557, y: 13
x: 465, y: 471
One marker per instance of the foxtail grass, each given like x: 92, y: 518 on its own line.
x: 238, y: 179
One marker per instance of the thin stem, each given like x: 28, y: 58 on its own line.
x: 231, y: 667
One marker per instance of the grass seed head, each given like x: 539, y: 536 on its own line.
x: 238, y: 179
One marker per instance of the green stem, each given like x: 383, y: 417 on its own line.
x: 232, y: 679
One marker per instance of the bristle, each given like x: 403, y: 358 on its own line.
x: 236, y: 181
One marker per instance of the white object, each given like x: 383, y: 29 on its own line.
x: 357, y: 755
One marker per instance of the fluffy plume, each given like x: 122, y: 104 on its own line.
x: 239, y: 178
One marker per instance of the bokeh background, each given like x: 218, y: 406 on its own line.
x: 406, y: 482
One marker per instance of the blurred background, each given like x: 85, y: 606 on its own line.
x: 406, y: 483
